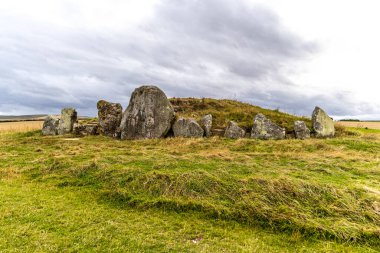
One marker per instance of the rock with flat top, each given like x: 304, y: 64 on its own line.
x: 109, y: 115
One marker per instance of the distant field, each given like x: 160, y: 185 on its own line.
x: 20, y: 126
x: 360, y: 124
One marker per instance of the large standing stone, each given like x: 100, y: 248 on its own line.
x: 234, y: 131
x: 301, y: 131
x: 187, y: 128
x: 323, y: 125
x: 264, y: 128
x: 109, y: 115
x: 68, y: 118
x: 148, y: 115
x: 206, y: 123
x: 50, y: 126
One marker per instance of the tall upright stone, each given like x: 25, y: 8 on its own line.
x: 323, y: 125
x: 149, y: 114
x: 68, y: 118
x: 264, y: 128
x: 50, y: 126
x: 109, y: 115
x: 301, y: 131
x: 187, y: 128
x: 206, y: 124
x: 233, y: 131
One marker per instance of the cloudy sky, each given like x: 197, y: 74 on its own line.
x: 290, y: 55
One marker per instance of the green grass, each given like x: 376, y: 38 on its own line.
x: 189, y: 195
x: 224, y: 110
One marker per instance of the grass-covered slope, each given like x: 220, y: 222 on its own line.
x: 224, y: 110
x: 190, y: 194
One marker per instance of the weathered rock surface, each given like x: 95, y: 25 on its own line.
x: 323, y: 125
x: 234, y: 131
x: 187, y: 128
x: 85, y: 129
x: 50, y: 126
x: 301, y: 131
x: 109, y: 115
x: 68, y: 118
x: 149, y: 114
x: 264, y: 128
x: 206, y: 124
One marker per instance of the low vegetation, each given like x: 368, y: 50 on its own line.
x: 63, y: 193
x: 226, y: 110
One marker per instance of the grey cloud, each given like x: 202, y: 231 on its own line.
x: 213, y: 48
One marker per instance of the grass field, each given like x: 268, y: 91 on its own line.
x: 20, y: 126
x: 361, y: 124
x: 189, y: 195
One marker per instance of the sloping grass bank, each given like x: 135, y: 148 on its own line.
x: 310, y: 190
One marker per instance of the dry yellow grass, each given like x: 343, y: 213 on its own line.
x: 20, y: 126
x: 369, y: 125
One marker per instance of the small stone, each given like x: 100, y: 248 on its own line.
x: 265, y: 129
x: 234, y: 131
x: 187, y: 128
x: 50, y: 126
x: 301, y: 130
x: 206, y: 123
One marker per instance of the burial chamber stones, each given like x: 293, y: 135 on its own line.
x: 63, y: 125
x: 149, y: 114
x: 109, y: 116
x: 323, y: 125
x: 264, y: 128
x: 187, y: 128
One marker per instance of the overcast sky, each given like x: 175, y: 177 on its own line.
x: 291, y: 55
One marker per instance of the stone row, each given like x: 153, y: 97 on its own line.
x: 150, y: 115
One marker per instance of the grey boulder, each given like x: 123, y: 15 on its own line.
x: 109, y: 115
x: 301, y: 131
x: 264, y: 128
x: 149, y: 114
x: 68, y: 118
x: 187, y: 128
x: 85, y: 129
x: 50, y: 126
x: 234, y: 131
x: 323, y: 125
x: 206, y: 124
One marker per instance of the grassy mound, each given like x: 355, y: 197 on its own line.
x: 224, y: 110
